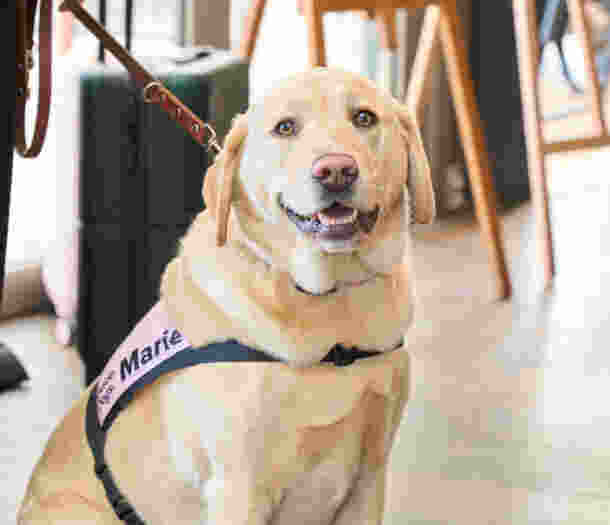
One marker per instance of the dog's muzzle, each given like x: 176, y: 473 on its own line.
x: 336, y: 222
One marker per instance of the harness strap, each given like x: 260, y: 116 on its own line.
x: 26, y: 15
x: 230, y: 351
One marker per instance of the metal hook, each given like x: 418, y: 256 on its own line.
x: 146, y: 90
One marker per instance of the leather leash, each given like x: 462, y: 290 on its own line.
x: 26, y: 14
x: 153, y: 91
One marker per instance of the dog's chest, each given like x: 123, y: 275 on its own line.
x: 292, y: 442
x: 317, y: 495
x: 291, y: 469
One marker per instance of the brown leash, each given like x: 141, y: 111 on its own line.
x: 153, y: 91
x: 26, y: 15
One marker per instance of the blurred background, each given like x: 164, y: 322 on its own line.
x: 508, y: 422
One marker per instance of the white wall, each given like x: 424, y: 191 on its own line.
x: 282, y: 43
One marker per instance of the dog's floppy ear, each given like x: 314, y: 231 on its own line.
x: 419, y: 180
x: 218, y: 183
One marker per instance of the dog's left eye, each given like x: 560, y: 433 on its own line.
x: 364, y: 118
x: 285, y: 128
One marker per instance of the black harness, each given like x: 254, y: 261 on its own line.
x: 213, y: 353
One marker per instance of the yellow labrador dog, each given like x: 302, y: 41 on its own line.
x: 304, y: 245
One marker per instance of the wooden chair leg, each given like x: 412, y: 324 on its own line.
x: 387, y: 59
x: 526, y: 35
x: 473, y: 141
x: 386, y: 25
x: 426, y: 51
x: 315, y: 33
x: 252, y: 25
x: 576, y: 9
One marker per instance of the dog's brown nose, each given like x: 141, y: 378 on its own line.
x: 335, y: 172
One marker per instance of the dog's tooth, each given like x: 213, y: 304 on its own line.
x: 332, y: 221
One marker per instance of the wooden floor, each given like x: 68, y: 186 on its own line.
x: 509, y: 418
x: 509, y: 421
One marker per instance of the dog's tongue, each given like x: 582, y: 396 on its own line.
x: 337, y: 211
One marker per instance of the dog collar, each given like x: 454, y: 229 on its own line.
x: 152, y: 349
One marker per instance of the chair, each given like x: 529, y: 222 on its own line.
x: 529, y: 58
x: 441, y: 18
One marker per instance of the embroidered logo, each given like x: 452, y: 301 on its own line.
x: 105, y: 389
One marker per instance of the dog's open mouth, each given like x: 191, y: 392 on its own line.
x: 337, y: 222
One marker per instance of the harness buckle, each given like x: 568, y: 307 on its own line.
x: 342, y: 356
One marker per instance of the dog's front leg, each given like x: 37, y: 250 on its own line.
x: 365, y: 503
x: 235, y: 503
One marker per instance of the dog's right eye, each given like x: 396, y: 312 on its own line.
x: 285, y: 128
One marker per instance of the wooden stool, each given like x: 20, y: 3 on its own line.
x: 441, y: 17
x: 529, y: 58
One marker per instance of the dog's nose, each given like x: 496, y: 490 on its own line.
x: 335, y: 172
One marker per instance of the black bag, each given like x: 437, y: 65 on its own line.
x: 141, y: 180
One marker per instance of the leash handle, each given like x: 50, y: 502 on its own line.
x: 128, y: 23
x: 153, y: 90
x: 101, y: 56
x: 26, y: 14
x: 128, y: 26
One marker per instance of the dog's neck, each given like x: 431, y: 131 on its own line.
x: 312, y: 270
x: 259, y: 304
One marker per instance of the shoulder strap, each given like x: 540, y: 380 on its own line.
x: 128, y: 23
x: 97, y: 440
x: 26, y: 14
x: 101, y: 56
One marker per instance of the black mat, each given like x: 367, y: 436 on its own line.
x: 11, y: 371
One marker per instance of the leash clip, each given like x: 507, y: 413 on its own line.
x: 155, y: 91
x: 146, y: 91
x: 212, y: 139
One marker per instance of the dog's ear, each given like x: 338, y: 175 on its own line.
x: 218, y: 183
x: 419, y: 180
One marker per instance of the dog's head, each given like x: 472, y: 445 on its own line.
x: 326, y: 170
